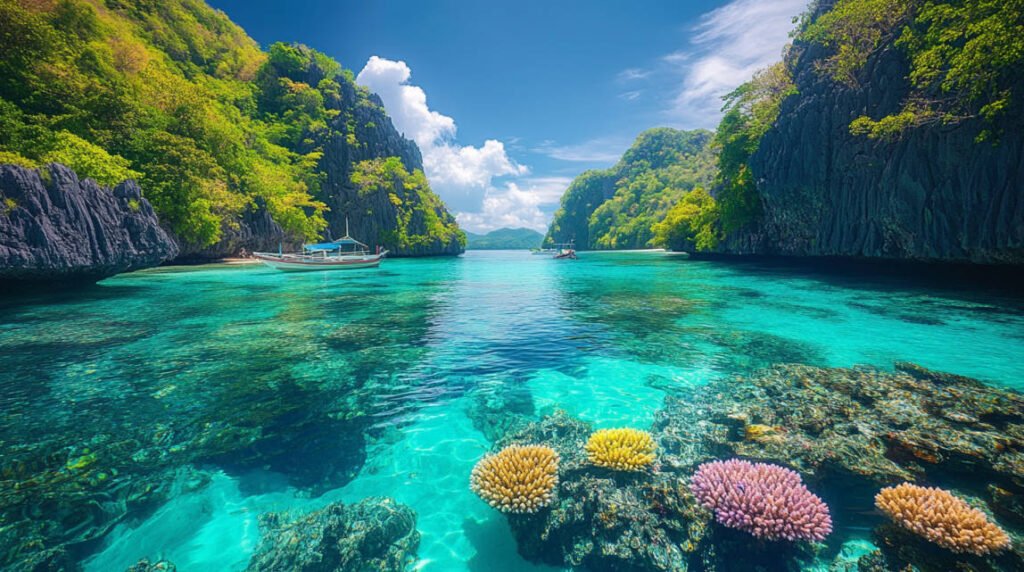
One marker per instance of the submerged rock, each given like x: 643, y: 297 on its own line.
x: 878, y: 427
x: 145, y: 565
x: 375, y: 534
x: 55, y: 228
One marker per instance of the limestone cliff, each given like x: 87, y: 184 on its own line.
x: 57, y: 228
x: 933, y: 194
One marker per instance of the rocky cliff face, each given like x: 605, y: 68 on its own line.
x: 361, y: 131
x: 372, y: 217
x: 933, y: 195
x: 55, y: 227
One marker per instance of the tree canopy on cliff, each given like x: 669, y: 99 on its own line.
x: 174, y: 94
x: 618, y: 207
x: 966, y: 56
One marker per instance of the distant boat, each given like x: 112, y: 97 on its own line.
x: 343, y: 254
x: 543, y: 251
x: 566, y: 251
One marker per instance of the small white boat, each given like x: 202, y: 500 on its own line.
x: 342, y: 254
x: 566, y: 251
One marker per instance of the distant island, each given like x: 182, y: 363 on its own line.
x: 504, y: 239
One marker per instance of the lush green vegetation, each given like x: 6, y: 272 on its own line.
x: 504, y: 239
x: 750, y: 111
x: 172, y: 93
x: 691, y: 225
x: 617, y: 208
x: 420, y: 213
x: 161, y: 92
x: 699, y: 221
x: 966, y: 56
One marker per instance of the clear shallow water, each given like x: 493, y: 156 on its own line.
x: 173, y: 366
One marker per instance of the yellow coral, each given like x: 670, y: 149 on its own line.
x: 756, y: 432
x: 942, y: 518
x: 621, y: 449
x: 518, y: 479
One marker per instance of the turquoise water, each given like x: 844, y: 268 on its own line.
x: 296, y: 390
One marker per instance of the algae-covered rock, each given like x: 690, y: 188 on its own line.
x: 879, y: 427
x: 375, y: 534
x: 145, y: 565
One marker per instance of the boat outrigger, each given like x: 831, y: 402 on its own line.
x: 344, y: 253
x: 536, y: 251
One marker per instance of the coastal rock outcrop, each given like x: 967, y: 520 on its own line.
x: 57, y: 228
x: 933, y: 194
x: 374, y: 534
x: 374, y: 218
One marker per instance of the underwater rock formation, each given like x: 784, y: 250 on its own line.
x: 55, y: 228
x: 145, y: 565
x: 879, y: 427
x: 847, y: 432
x: 853, y: 431
x: 604, y: 519
x: 376, y: 533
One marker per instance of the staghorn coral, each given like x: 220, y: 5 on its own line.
x: 621, y: 449
x: 942, y: 518
x: 768, y: 501
x: 518, y: 479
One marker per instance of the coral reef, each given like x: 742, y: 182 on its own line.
x: 145, y: 565
x: 517, y: 479
x: 861, y: 426
x: 621, y: 449
x: 606, y: 520
x: 768, y: 501
x: 942, y: 518
x: 845, y: 432
x: 374, y: 534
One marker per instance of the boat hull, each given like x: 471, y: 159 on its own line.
x: 296, y: 264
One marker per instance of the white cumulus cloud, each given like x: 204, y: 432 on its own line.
x: 522, y: 204
x: 461, y: 174
x: 728, y: 45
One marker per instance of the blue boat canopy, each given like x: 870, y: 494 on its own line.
x: 335, y: 245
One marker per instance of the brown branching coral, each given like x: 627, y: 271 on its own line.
x: 517, y: 479
x: 942, y: 518
x: 621, y: 449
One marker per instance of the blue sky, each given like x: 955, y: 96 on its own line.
x: 510, y: 101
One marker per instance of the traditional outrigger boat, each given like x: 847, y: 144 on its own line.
x: 342, y: 254
x: 566, y: 251
x: 543, y: 251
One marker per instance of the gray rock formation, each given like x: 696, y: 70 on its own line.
x: 934, y: 195
x: 371, y: 217
x: 374, y: 534
x: 56, y: 228
x: 361, y: 131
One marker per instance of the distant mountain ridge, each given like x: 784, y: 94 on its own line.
x: 504, y: 239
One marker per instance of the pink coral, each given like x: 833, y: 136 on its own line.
x: 768, y: 501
